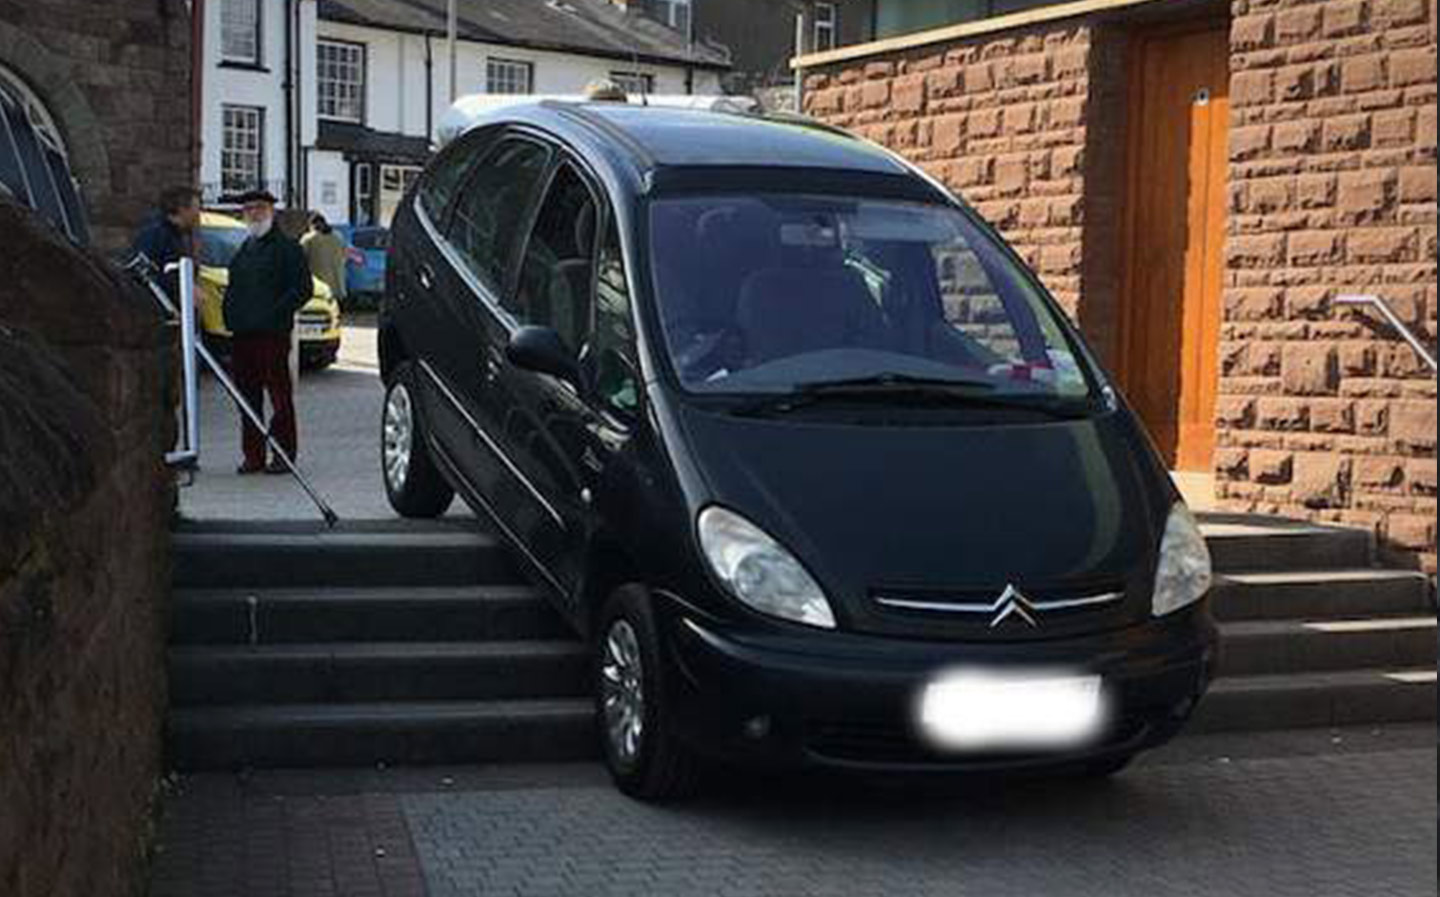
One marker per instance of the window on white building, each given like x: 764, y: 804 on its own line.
x: 340, y: 88
x: 509, y: 76
x: 240, y: 31
x: 634, y: 82
x: 675, y: 13
x: 827, y: 26
x: 242, y: 150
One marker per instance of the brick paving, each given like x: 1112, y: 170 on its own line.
x: 1270, y: 815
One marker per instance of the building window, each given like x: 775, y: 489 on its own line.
x: 240, y: 31
x: 363, y: 196
x: 340, y: 88
x: 242, y: 151
x: 509, y: 76
x: 827, y: 26
x: 675, y: 13
x: 395, y: 183
x: 34, y: 165
x: 634, y: 82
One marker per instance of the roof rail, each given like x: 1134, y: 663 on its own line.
x: 600, y: 123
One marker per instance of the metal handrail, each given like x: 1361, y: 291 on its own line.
x: 1358, y: 301
x: 189, y: 454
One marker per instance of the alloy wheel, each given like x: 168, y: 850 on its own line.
x: 622, y: 692
x: 399, y: 436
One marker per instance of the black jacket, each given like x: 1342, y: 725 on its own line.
x: 269, y: 281
x: 163, y: 243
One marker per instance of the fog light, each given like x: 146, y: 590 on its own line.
x: 757, y: 728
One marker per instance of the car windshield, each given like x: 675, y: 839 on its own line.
x: 778, y: 293
x: 218, y: 245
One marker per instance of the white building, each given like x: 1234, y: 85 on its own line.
x: 370, y: 82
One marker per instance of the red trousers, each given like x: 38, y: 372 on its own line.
x: 260, y: 364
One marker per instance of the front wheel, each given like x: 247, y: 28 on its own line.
x: 643, y: 755
x: 412, y: 481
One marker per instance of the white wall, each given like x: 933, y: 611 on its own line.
x: 226, y: 85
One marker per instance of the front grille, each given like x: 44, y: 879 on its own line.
x: 1004, y: 612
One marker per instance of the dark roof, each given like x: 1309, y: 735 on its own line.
x: 691, y: 138
x: 358, y: 140
x: 594, y: 27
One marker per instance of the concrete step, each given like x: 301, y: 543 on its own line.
x: 1296, y: 646
x: 414, y: 733
x: 1321, y: 594
x: 1351, y: 697
x: 376, y: 671
x: 284, y: 616
x: 447, y: 556
x: 1244, y: 544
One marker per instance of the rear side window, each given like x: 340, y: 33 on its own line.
x: 492, y: 206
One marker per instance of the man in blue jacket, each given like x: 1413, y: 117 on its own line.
x: 269, y: 282
x: 170, y: 235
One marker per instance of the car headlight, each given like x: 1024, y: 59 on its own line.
x: 1185, y: 573
x: 759, y: 572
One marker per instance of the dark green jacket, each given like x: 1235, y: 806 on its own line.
x: 269, y: 281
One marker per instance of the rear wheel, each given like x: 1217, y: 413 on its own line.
x: 412, y: 481
x: 645, y: 758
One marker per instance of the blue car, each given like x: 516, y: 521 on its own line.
x: 365, y: 252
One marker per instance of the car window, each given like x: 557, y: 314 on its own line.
x: 442, y: 180
x: 612, y: 344
x: 557, y: 274
x: 775, y: 292
x: 218, y: 245
x: 492, y: 206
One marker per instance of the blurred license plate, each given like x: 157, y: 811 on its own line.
x: 977, y: 710
x: 311, y: 330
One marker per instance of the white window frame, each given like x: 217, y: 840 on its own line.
x: 501, y: 72
x: 234, y: 176
x: 341, y: 80
x: 254, y: 28
x: 674, y: 13
x: 634, y: 82
x: 826, y: 27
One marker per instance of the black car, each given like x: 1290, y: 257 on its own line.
x: 796, y: 441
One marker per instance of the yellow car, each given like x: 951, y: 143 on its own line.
x: 317, y: 325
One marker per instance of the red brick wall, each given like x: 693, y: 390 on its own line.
x: 1323, y: 413
x: 1008, y: 122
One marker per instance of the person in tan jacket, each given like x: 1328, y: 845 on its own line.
x: 325, y: 252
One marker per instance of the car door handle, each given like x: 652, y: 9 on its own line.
x: 426, y: 275
x: 490, y: 364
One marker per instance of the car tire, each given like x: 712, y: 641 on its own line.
x: 413, y: 483
x: 1104, y: 768
x: 645, y: 758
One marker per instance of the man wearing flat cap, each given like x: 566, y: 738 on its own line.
x: 269, y: 282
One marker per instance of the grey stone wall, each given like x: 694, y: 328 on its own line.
x: 84, y: 568
x: 116, y: 77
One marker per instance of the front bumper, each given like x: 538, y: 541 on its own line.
x: 769, y: 696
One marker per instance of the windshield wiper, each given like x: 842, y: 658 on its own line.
x: 910, y: 390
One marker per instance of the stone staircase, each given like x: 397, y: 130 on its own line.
x: 421, y: 645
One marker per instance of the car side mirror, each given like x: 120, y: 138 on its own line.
x: 540, y: 349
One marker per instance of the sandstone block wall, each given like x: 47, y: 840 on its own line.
x: 116, y: 77
x: 84, y: 569
x: 1019, y: 125
x: 1326, y: 413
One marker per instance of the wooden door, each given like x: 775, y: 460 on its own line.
x: 1180, y: 115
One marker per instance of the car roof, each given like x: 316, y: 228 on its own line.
x: 652, y: 137
x: 219, y: 219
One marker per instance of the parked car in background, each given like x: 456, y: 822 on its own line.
x: 817, y: 465
x: 317, y: 325
x: 366, y: 249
